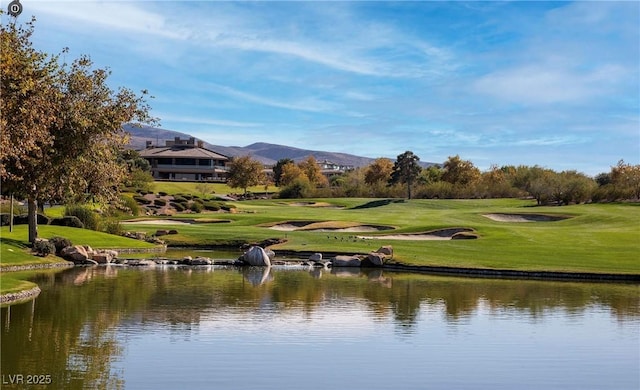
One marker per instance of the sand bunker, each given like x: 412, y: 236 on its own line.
x: 440, y: 234
x: 327, y: 226
x: 524, y: 217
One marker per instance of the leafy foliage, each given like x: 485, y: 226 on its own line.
x: 406, y: 170
x: 245, y: 172
x: 68, y: 121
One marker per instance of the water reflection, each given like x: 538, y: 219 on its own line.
x: 79, y: 328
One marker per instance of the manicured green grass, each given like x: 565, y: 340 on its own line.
x: 14, y: 249
x: 601, y: 238
x: 173, y: 188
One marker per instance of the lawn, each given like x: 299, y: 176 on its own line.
x: 595, y: 238
x: 599, y: 238
x: 172, y: 187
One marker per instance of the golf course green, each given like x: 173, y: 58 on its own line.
x: 507, y: 234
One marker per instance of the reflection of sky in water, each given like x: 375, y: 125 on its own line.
x: 297, y: 328
x: 345, y: 344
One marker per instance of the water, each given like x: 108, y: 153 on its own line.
x: 295, y: 328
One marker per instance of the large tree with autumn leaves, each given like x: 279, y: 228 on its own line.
x: 61, y: 124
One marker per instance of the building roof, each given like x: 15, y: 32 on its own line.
x: 176, y: 152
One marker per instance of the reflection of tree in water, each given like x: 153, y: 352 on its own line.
x: 70, y: 330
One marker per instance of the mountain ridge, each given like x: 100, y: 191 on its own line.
x: 266, y: 153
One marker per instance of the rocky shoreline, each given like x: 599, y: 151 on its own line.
x: 23, y: 295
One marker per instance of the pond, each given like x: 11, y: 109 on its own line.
x: 297, y: 328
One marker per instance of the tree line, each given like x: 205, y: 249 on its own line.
x: 454, y: 179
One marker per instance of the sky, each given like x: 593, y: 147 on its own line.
x: 554, y: 84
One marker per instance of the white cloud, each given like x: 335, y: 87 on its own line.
x: 117, y: 16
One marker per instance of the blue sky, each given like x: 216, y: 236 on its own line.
x: 548, y: 83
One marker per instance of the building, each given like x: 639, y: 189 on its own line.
x: 329, y: 168
x: 185, y: 160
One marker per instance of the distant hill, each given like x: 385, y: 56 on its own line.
x: 266, y: 153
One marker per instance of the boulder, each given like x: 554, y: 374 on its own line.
x: 102, y: 258
x: 316, y: 257
x: 271, y: 254
x: 346, y: 261
x: 256, y: 256
x: 77, y: 253
x: 201, y: 261
x: 374, y: 259
x: 387, y: 250
x: 161, y: 233
x: 141, y: 263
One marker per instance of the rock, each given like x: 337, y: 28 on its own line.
x: 141, y: 263
x: 200, y: 261
x: 187, y: 259
x: 316, y: 257
x: 387, y: 250
x: 270, y: 253
x: 161, y: 233
x: 256, y: 256
x: 77, y: 253
x: 173, y: 231
x: 374, y: 259
x: 102, y: 258
x: 346, y: 261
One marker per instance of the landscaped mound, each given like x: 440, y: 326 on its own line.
x: 169, y: 221
x: 327, y: 226
x: 503, y: 217
x: 440, y: 234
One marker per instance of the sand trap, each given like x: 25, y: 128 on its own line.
x: 441, y: 234
x: 524, y: 217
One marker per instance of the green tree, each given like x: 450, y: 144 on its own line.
x: 406, y: 170
x: 61, y: 124
x: 245, y: 172
x: 277, y: 169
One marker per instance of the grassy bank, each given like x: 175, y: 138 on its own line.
x: 602, y: 238
x: 14, y: 251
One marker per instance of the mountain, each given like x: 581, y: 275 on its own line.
x: 266, y: 153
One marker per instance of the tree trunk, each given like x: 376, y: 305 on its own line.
x: 33, y: 219
x: 11, y: 216
x: 409, y: 189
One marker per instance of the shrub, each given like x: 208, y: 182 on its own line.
x: 130, y: 205
x: 5, y: 219
x: 180, y: 199
x: 196, y: 207
x: 141, y: 199
x: 297, y: 189
x: 69, y: 221
x: 60, y: 243
x: 227, y: 207
x: 112, y: 226
x: 212, y: 206
x: 88, y: 217
x: 160, y: 202
x: 24, y: 219
x: 178, y: 206
x: 43, y: 248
